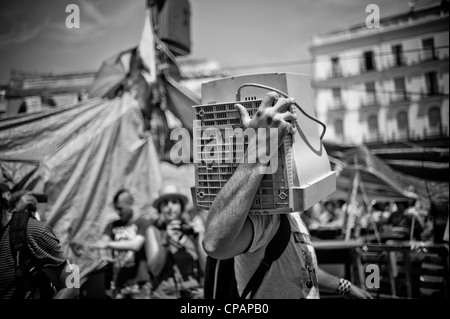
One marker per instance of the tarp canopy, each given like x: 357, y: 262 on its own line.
x: 160, y: 102
x: 80, y: 155
x: 381, y: 182
x: 426, y: 159
x: 429, y: 163
x: 111, y: 73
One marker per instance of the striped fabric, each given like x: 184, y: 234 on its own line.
x: 43, y: 245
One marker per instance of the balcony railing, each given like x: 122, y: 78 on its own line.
x: 336, y: 72
x: 399, y: 97
x: 395, y: 62
x: 402, y: 134
x: 432, y: 92
x: 377, y: 136
x: 428, y: 55
x: 437, y: 131
x: 337, y: 105
x: 370, y: 101
x: 391, y: 62
x: 363, y: 68
x: 374, y: 136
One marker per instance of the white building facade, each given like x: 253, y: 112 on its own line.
x: 385, y: 84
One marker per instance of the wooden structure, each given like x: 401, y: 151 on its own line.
x: 407, y: 272
x: 404, y: 273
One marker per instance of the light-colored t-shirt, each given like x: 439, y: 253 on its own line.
x: 294, y: 274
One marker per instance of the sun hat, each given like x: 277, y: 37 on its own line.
x: 169, y: 191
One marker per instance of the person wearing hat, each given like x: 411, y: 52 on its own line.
x: 175, y: 253
x: 43, y: 253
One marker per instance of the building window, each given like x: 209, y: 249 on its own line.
x: 432, y: 83
x: 339, y: 128
x: 48, y: 101
x: 335, y: 68
x: 369, y: 62
x: 402, y: 121
x: 23, y: 108
x: 371, y: 92
x: 429, y: 52
x: 400, y: 89
x: 397, y: 51
x: 434, y: 117
x: 372, y: 121
x: 337, y: 97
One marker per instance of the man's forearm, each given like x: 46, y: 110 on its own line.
x: 230, y: 209
x: 327, y: 281
x: 134, y: 244
x: 200, y: 252
x: 333, y: 283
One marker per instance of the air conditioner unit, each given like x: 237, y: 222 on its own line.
x: 303, y: 176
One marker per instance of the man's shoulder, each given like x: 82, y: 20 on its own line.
x: 43, y: 243
x: 36, y: 227
x: 298, y: 222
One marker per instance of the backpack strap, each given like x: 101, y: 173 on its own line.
x: 273, y: 251
x: 216, y: 286
x: 19, y: 251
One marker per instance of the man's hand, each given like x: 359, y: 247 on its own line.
x: 359, y: 293
x: 197, y: 225
x: 25, y: 201
x: 268, y: 117
x: 174, y: 234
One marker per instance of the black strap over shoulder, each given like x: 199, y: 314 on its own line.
x: 29, y: 280
x: 273, y: 251
x: 217, y: 286
x: 19, y: 251
x: 220, y: 285
x: 18, y: 235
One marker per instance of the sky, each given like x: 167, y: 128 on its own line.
x: 34, y: 37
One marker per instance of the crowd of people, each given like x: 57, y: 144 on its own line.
x: 166, y: 257
x: 148, y: 259
x: 402, y: 220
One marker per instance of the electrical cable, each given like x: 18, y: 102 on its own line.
x: 162, y: 47
x: 320, y: 60
x: 238, y: 98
